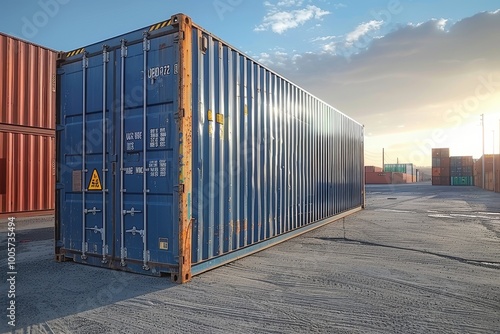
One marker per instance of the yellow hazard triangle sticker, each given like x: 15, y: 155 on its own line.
x: 95, y: 182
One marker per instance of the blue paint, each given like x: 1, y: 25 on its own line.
x: 279, y: 163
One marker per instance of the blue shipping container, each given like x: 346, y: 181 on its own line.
x: 177, y: 154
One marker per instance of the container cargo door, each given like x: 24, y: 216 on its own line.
x: 84, y: 145
x: 148, y: 156
x: 118, y: 153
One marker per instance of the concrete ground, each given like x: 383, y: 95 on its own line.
x: 419, y: 259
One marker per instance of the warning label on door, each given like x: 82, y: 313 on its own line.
x: 95, y: 181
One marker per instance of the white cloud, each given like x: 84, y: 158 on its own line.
x: 418, y: 76
x: 277, y: 58
x: 441, y: 24
x: 362, y: 30
x: 279, y: 20
x: 323, y: 38
x: 330, y: 47
x: 329, y: 44
x: 289, y: 3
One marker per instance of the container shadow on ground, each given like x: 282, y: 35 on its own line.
x: 44, y: 286
x: 319, y: 282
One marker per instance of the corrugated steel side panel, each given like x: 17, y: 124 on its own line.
x: 27, y: 170
x: 269, y: 157
x: 27, y: 84
x: 488, y: 168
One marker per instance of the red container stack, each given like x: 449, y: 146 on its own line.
x: 27, y: 128
x: 441, y: 166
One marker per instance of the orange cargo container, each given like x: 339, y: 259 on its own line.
x: 27, y: 84
x: 378, y: 178
x: 27, y: 127
x: 28, y: 162
x: 387, y: 178
x: 408, y: 178
x: 398, y: 178
x: 373, y: 169
x: 492, y: 182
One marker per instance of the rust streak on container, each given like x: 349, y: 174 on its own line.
x: 186, y: 116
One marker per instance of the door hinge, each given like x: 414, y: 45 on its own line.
x: 105, y: 54
x: 179, y: 188
x: 123, y: 49
x: 180, y: 114
x: 85, y: 61
x: 146, y: 43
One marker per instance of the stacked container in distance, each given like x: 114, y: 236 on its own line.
x: 440, y: 166
x: 461, y: 171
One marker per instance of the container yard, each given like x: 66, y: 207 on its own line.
x: 27, y: 128
x: 491, y: 180
x: 418, y: 259
x: 161, y: 180
x: 406, y: 168
x: 182, y: 154
x: 377, y: 175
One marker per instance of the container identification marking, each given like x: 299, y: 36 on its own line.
x: 95, y: 182
x: 157, y: 137
x: 163, y: 167
x: 160, y: 71
x: 154, y: 171
x: 130, y: 137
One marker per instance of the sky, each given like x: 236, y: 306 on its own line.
x: 417, y: 74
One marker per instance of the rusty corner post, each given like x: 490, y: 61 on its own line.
x: 363, y: 171
x: 185, y: 146
x: 59, y: 257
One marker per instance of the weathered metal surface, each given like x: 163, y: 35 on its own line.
x: 207, y: 156
x: 491, y: 179
x: 27, y: 170
x: 27, y: 123
x: 27, y: 84
x: 185, y: 112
